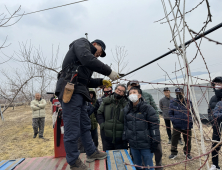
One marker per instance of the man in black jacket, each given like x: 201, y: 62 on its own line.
x: 141, y: 128
x: 216, y: 126
x: 78, y: 66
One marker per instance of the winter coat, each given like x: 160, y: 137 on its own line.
x: 81, y: 55
x: 213, y: 101
x: 217, y: 113
x: 94, y: 123
x: 97, y: 104
x: 141, y: 126
x: 178, y: 114
x: 164, y: 105
x: 149, y: 99
x: 110, y: 116
x: 38, y: 108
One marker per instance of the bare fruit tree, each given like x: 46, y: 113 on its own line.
x: 120, y: 59
x: 6, y: 21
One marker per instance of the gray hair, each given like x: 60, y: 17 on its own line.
x: 122, y: 85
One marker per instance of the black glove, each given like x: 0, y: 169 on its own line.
x: 153, y: 147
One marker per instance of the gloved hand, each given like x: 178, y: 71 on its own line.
x: 107, y: 83
x: 114, y: 76
x: 153, y: 147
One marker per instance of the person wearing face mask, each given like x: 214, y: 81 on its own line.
x: 72, y: 86
x: 149, y: 100
x: 164, y: 104
x: 141, y: 129
x: 110, y: 117
x: 214, y: 115
x: 179, y: 117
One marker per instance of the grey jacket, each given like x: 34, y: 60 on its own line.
x: 164, y: 104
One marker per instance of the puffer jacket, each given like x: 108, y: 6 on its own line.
x: 213, y: 101
x: 81, y: 55
x: 94, y: 123
x: 97, y: 104
x: 178, y: 114
x: 141, y: 126
x: 217, y: 113
x: 39, y: 110
x: 110, y: 116
x: 148, y: 98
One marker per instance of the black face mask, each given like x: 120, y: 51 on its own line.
x: 107, y: 93
x: 218, y: 93
x: 179, y: 96
x: 117, y: 96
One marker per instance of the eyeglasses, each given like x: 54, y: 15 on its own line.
x: 121, y: 91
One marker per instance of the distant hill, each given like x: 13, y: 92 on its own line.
x: 181, y: 76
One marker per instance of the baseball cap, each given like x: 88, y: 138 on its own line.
x: 166, y: 89
x: 102, y: 44
x: 179, y: 90
x: 134, y: 82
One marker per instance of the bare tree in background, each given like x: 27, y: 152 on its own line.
x: 120, y: 62
x: 6, y: 21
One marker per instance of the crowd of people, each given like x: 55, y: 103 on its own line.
x: 128, y: 117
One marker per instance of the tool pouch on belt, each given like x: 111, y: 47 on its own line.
x: 68, y: 91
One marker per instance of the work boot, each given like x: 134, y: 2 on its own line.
x: 96, y: 155
x: 79, y: 165
x: 35, y: 134
x: 41, y: 137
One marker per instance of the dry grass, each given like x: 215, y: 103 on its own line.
x: 16, y: 135
x: 17, y: 142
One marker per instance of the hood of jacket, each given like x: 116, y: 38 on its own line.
x: 94, y: 95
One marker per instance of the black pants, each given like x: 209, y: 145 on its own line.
x: 168, y: 128
x: 158, y: 156
x: 108, y: 145
x: 175, y: 138
x: 216, y: 136
x: 94, y: 135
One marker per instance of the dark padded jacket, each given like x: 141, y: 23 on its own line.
x: 213, y: 101
x: 178, y: 114
x: 97, y: 104
x: 81, y: 53
x: 217, y: 113
x: 141, y: 125
x: 110, y: 116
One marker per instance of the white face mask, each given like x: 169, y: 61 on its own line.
x: 133, y: 98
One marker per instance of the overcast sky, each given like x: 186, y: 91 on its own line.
x: 128, y: 23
